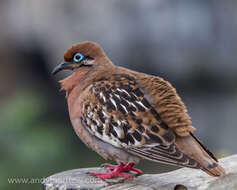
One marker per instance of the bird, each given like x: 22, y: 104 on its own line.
x: 128, y: 116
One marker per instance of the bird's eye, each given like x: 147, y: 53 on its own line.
x: 78, y: 57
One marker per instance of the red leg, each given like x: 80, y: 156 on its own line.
x: 110, y: 166
x: 118, y: 170
x: 130, y: 167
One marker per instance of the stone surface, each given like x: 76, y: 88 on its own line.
x: 181, y: 179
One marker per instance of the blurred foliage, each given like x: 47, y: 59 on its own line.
x: 29, y: 146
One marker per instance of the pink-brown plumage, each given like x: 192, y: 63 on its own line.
x: 127, y: 116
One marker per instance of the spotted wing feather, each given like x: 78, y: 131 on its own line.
x: 119, y: 113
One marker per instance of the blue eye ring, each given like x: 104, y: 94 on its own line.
x: 78, y: 57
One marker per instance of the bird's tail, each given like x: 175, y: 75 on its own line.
x: 194, y: 149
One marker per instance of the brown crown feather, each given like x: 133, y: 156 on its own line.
x: 87, y: 48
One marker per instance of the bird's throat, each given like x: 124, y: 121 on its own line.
x: 70, y: 82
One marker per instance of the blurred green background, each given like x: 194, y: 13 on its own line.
x: 190, y: 43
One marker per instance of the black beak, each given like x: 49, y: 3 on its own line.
x: 63, y: 65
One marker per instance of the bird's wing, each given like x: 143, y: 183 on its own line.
x: 119, y: 110
x: 167, y: 103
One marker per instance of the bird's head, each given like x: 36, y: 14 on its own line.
x: 81, y: 55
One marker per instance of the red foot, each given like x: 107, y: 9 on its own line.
x: 117, y: 170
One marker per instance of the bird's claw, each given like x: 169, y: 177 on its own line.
x: 117, y: 171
